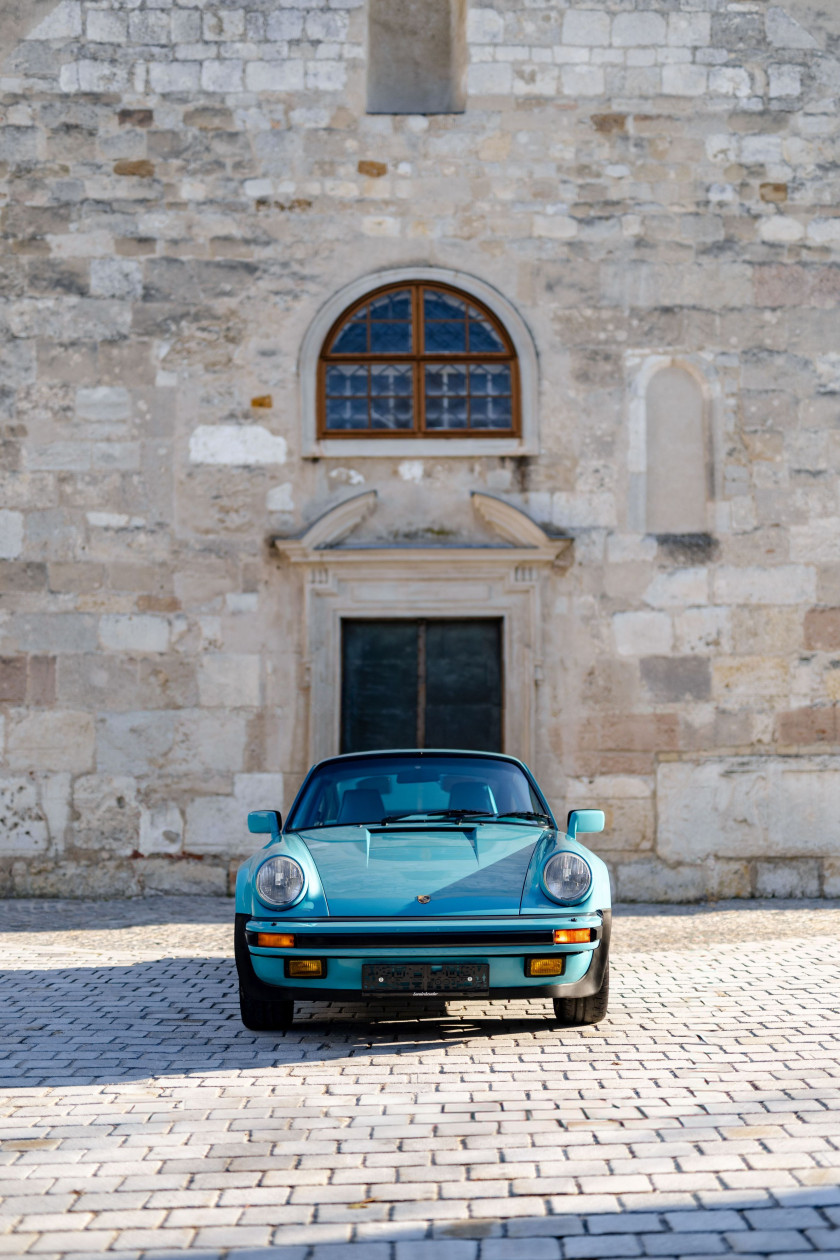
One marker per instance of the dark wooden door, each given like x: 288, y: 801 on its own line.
x: 421, y: 684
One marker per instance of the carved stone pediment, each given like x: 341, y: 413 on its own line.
x: 520, y: 539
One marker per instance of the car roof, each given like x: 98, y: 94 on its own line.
x: 420, y: 752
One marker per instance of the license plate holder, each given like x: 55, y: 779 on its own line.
x: 461, y: 979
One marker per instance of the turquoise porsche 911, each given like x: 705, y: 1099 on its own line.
x: 416, y: 875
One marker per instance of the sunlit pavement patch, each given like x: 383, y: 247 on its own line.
x: 702, y: 1118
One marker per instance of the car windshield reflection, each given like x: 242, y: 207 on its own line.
x: 389, y: 789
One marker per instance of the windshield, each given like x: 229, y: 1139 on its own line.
x: 376, y: 789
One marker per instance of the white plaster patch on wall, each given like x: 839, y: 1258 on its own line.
x: 411, y: 470
x: 161, y: 828
x: 347, y: 476
x: 11, y: 534
x: 279, y: 498
x: 236, y: 445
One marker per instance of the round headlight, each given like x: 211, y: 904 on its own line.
x: 566, y: 877
x: 280, y: 881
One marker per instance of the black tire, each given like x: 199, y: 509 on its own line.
x: 575, y: 1012
x: 259, y: 1005
x: 265, y: 1016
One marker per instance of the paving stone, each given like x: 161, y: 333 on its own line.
x: 126, y: 1055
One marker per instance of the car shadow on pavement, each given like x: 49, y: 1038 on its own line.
x: 106, y: 1024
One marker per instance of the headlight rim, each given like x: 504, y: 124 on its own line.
x: 565, y: 901
x: 280, y: 905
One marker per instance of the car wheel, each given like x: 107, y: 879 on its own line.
x: 265, y: 1016
x: 260, y: 1007
x: 574, y: 1012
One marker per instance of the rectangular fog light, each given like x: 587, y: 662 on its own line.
x: 572, y: 936
x: 306, y: 968
x: 275, y: 940
x: 544, y: 966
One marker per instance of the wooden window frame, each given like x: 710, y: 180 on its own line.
x: 418, y: 358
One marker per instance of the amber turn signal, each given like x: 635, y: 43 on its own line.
x: 306, y: 968
x: 572, y: 936
x: 275, y: 940
x: 545, y: 966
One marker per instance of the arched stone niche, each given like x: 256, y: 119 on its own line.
x: 674, y: 408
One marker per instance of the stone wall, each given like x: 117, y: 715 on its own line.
x: 184, y: 185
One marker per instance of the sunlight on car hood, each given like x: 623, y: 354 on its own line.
x: 476, y: 871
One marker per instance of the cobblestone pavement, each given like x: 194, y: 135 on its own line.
x: 138, y: 1116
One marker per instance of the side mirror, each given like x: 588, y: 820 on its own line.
x: 263, y: 822
x: 584, y: 820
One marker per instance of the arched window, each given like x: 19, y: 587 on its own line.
x: 418, y: 359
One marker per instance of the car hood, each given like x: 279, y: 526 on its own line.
x: 464, y: 872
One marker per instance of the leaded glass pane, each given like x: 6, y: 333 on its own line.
x: 392, y: 395
x: 483, y: 336
x: 347, y: 413
x: 351, y: 339
x: 444, y: 327
x: 392, y: 338
x: 347, y: 396
x: 346, y: 379
x: 394, y: 305
x: 490, y: 396
x: 440, y: 305
x: 392, y: 413
x: 446, y: 397
x: 391, y: 378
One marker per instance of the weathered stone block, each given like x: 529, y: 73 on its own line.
x: 106, y: 815
x: 586, y: 27
x: 787, y: 878
x: 219, y: 824
x: 161, y: 828
x: 639, y: 633
x: 679, y: 588
x: 747, y: 679
x: 11, y: 534
x: 12, y: 679
x: 673, y: 678
x: 173, y: 876
x: 51, y: 740
x: 641, y: 29
x: 817, y: 724
x: 703, y: 630
x: 822, y: 629
x: 651, y: 880
x: 134, y: 632
x: 748, y: 807
x: 781, y: 584
x: 23, y: 823
x: 229, y: 681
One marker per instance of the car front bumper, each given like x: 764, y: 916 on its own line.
x: 503, y: 945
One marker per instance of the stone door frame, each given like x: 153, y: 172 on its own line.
x: 502, y: 581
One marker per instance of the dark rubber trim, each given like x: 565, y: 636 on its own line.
x: 364, y: 941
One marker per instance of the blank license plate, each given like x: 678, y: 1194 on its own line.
x: 426, y: 979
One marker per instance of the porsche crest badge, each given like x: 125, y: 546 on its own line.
x: 423, y: 898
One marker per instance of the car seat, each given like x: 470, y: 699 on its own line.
x: 361, y: 805
x: 471, y: 795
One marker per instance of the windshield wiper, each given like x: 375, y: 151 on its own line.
x: 524, y: 813
x: 439, y: 813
